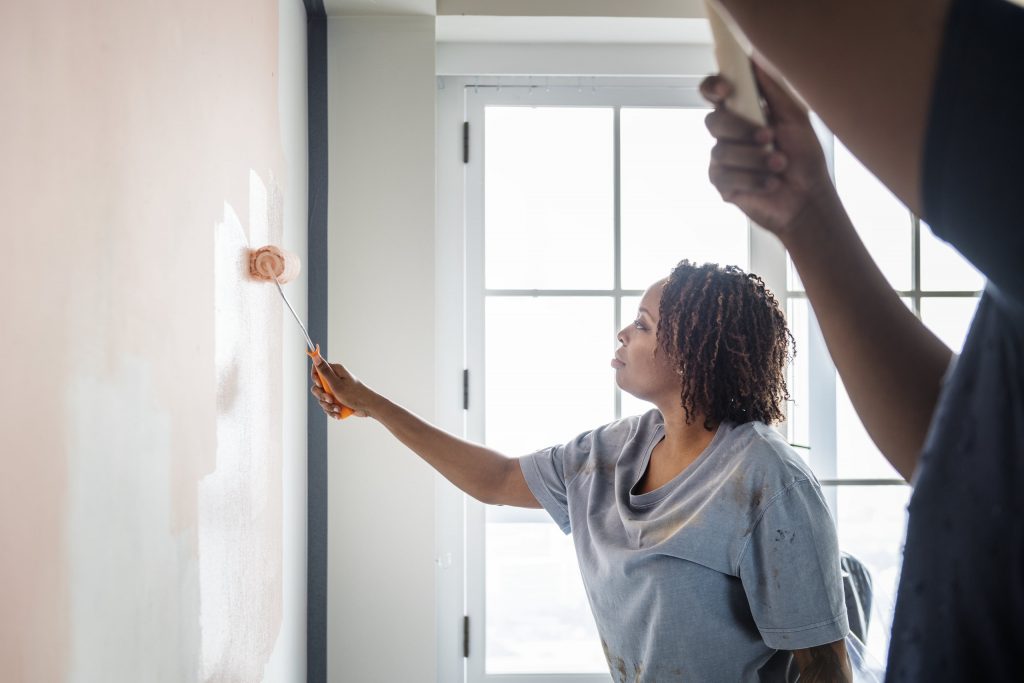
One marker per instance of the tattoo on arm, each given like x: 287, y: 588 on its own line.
x: 824, y: 663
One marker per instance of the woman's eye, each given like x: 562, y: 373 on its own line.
x: 638, y: 325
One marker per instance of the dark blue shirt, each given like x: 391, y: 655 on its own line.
x: 960, y: 607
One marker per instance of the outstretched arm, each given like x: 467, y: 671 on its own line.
x: 487, y: 475
x: 891, y: 364
x: 867, y: 68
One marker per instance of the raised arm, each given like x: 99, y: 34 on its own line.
x: 865, y: 67
x: 891, y: 364
x: 487, y: 475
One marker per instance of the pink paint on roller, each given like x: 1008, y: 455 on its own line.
x: 273, y: 263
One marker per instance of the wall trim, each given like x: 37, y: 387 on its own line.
x: 316, y: 422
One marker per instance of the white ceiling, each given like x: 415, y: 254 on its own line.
x: 548, y: 21
x: 370, y: 7
x: 574, y: 8
x: 678, y: 9
x: 604, y: 30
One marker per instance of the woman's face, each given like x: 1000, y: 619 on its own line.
x: 640, y: 367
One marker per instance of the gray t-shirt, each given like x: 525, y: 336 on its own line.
x: 707, y: 577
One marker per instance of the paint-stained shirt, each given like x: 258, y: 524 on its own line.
x: 709, y: 577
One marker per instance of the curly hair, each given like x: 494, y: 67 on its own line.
x: 726, y: 337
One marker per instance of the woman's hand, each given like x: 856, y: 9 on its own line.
x: 485, y: 474
x: 775, y: 174
x: 347, y: 390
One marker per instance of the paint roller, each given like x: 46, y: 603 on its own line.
x: 272, y: 264
x: 734, y: 63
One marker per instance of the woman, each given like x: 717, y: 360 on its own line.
x: 707, y: 551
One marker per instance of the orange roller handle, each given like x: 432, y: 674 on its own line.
x: 316, y: 357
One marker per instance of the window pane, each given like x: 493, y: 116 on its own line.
x: 538, y: 616
x: 949, y: 318
x: 631, y: 405
x: 883, y: 223
x: 798, y: 418
x: 793, y: 281
x: 943, y: 268
x: 547, y: 379
x: 857, y: 456
x: 872, y: 524
x: 670, y: 210
x: 548, y: 197
x: 548, y: 376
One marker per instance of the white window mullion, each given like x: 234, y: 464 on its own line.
x: 451, y: 362
x: 768, y: 259
x: 478, y: 95
x: 822, y: 390
x: 617, y: 248
x: 915, y: 271
x: 822, y: 400
x: 475, y: 358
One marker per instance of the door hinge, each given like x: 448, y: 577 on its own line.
x: 465, y: 142
x: 465, y: 389
x: 465, y: 636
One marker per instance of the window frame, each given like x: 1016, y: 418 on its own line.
x: 579, y: 92
x: 460, y: 519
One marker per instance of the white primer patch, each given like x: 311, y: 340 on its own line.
x: 240, y: 504
x: 133, y: 580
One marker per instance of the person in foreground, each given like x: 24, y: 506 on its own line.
x: 927, y: 94
x: 952, y: 425
x: 706, y: 548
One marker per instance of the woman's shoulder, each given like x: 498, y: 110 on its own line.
x: 762, y: 452
x: 761, y: 469
x: 629, y: 426
x: 603, y: 447
x: 613, y: 435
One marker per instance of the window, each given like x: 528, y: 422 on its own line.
x: 865, y: 492
x: 577, y: 197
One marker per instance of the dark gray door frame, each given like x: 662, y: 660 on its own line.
x: 316, y: 422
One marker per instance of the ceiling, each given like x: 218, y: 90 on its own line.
x: 679, y: 9
x: 603, y: 30
x: 386, y: 7
x: 547, y: 21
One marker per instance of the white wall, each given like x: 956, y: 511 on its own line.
x: 393, y: 293
x: 381, y: 308
x: 152, y: 503
x: 288, y: 660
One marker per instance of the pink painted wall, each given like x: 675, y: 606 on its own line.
x: 145, y: 393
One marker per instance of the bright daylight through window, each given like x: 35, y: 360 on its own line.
x: 584, y: 206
